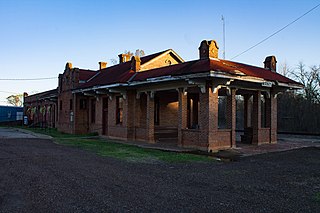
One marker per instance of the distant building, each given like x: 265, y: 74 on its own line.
x: 162, y: 98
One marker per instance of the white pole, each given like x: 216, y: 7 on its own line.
x: 224, y: 37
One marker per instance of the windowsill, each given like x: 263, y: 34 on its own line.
x: 224, y: 130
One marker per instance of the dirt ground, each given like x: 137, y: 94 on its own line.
x: 37, y: 175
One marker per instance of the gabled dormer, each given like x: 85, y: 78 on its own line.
x: 167, y: 58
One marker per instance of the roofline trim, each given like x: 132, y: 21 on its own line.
x: 212, y: 74
x: 292, y: 86
x: 99, y: 87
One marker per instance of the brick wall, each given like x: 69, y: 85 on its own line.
x: 223, y: 140
x: 40, y: 112
x: 165, y: 60
x: 168, y: 110
x: 66, y: 115
x: 191, y: 139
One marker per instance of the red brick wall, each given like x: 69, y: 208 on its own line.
x: 223, y: 140
x: 64, y: 114
x: 161, y: 62
x: 44, y: 118
x: 116, y: 130
x: 191, y: 139
x: 67, y: 81
x: 168, y: 110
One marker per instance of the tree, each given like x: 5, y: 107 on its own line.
x: 284, y: 69
x: 138, y: 52
x: 310, y: 78
x: 15, y: 100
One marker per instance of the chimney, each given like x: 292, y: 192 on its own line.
x: 102, y: 65
x: 270, y: 63
x: 135, y: 63
x: 208, y: 49
x: 124, y: 57
x: 68, y: 65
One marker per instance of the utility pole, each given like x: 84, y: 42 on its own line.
x: 224, y: 37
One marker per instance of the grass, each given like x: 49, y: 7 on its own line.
x: 317, y: 197
x: 109, y: 148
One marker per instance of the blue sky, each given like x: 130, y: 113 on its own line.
x: 38, y: 37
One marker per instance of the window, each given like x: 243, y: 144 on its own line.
x: 93, y: 111
x: 71, y: 104
x: 60, y: 105
x: 83, y: 104
x: 119, y: 111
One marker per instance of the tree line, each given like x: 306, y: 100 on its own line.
x: 299, y: 111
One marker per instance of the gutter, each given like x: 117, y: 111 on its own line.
x: 99, y: 87
x: 292, y: 86
x: 212, y: 73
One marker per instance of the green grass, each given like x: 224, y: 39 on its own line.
x: 317, y: 197
x: 109, y: 148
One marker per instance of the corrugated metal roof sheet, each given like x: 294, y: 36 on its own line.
x: 206, y: 65
x: 119, y: 73
x: 84, y: 75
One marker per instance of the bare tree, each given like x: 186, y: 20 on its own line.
x: 114, y: 61
x: 284, y: 69
x: 15, y: 100
x: 310, y: 78
x: 138, y: 52
x: 128, y: 53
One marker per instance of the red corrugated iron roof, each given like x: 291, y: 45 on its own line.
x: 206, y: 65
x: 42, y: 95
x: 119, y: 73
x: 115, y: 74
x: 84, y: 75
x: 122, y: 73
x: 259, y: 72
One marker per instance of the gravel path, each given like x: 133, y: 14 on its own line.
x: 37, y: 175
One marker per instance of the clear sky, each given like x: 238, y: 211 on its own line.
x: 38, y: 37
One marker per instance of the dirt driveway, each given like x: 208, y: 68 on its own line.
x: 37, y: 175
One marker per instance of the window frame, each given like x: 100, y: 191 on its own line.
x: 119, y: 110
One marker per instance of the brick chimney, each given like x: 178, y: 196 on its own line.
x: 270, y: 63
x: 135, y: 63
x: 208, y: 49
x: 124, y: 57
x: 102, y: 65
x: 68, y: 65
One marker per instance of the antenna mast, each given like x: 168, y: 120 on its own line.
x: 224, y: 37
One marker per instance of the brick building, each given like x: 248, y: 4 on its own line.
x: 161, y: 98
